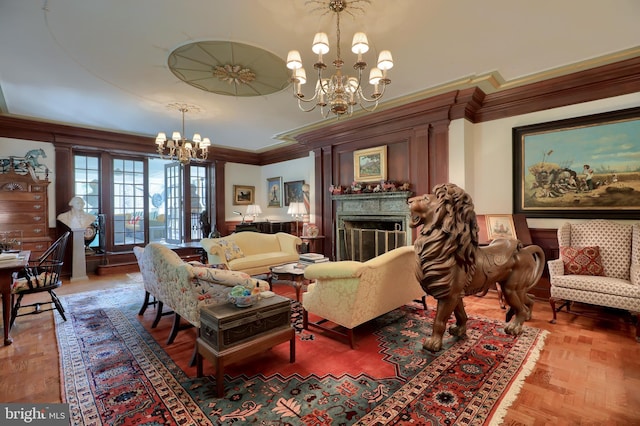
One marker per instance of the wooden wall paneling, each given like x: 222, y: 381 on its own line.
x: 439, y: 152
x: 106, y: 206
x: 324, y: 178
x: 548, y: 241
x: 419, y: 165
x: 399, y: 161
x: 218, y: 191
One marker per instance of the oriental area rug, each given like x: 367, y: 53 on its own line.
x: 114, y: 372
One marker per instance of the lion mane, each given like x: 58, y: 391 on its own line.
x: 450, y: 264
x: 447, y: 240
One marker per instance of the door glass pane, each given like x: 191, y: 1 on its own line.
x: 174, y: 202
x: 198, y: 184
x: 128, y: 202
x: 86, y: 175
x: 157, y: 201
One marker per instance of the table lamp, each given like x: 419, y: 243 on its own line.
x: 297, y: 209
x: 253, y: 210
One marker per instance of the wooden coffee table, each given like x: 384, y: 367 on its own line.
x: 288, y: 272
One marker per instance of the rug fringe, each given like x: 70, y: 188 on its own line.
x: 511, y: 394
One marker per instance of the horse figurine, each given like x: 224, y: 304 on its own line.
x: 23, y: 165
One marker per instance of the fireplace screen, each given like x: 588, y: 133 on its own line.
x: 361, y: 241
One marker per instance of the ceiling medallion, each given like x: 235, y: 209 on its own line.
x: 222, y: 67
x: 234, y: 74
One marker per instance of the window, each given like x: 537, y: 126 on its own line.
x: 141, y: 200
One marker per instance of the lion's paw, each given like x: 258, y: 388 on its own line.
x: 513, y: 328
x: 432, y: 345
x: 457, y: 331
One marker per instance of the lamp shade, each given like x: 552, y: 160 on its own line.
x: 297, y: 209
x: 360, y: 44
x: 320, y: 44
x: 385, y: 61
x: 253, y: 210
x: 294, y: 61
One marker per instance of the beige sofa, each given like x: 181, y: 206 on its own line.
x: 252, y: 252
x: 351, y: 293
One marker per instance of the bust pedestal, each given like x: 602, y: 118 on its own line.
x: 78, y: 265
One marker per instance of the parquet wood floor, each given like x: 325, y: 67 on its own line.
x: 587, y: 374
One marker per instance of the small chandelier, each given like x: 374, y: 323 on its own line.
x: 179, y: 147
x: 340, y: 93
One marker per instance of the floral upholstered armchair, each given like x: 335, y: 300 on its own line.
x: 185, y: 288
x: 599, y: 264
x: 350, y: 293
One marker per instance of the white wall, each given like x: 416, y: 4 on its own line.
x: 242, y: 174
x: 18, y: 148
x: 488, y: 176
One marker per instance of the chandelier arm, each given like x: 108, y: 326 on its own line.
x: 315, y: 105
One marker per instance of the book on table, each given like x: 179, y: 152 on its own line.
x: 312, y: 257
x: 305, y: 260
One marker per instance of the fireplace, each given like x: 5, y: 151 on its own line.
x: 368, y: 225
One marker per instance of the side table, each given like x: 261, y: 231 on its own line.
x: 315, y: 244
x: 288, y: 272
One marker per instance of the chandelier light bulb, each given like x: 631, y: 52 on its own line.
x: 197, y: 138
x: 176, y: 136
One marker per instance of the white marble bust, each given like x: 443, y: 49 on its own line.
x: 76, y: 218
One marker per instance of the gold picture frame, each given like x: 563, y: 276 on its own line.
x: 500, y: 226
x: 243, y: 195
x: 370, y: 165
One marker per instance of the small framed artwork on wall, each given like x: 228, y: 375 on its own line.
x: 274, y: 192
x: 293, y: 192
x: 243, y: 195
x: 500, y: 226
x: 370, y: 165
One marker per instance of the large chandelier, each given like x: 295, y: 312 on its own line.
x: 179, y: 147
x: 340, y: 92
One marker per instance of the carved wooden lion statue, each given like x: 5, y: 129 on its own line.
x: 451, y: 265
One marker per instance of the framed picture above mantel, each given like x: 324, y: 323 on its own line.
x: 585, y: 167
x: 370, y: 165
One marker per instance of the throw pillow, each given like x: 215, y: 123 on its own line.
x: 231, y: 250
x: 582, y: 260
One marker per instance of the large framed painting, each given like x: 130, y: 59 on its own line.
x: 293, y: 192
x: 274, y: 192
x: 243, y: 195
x: 585, y: 167
x: 370, y: 165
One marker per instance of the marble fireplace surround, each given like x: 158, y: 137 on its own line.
x: 383, y: 216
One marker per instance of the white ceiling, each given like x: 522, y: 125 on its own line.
x: 103, y: 63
